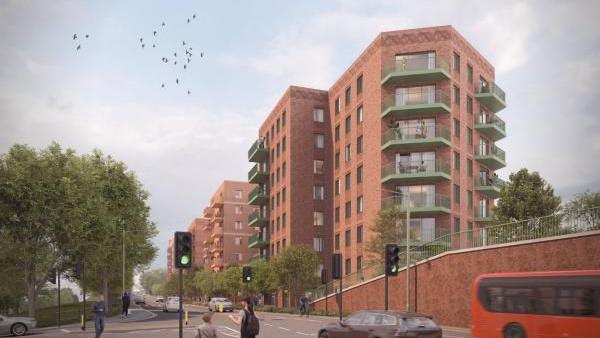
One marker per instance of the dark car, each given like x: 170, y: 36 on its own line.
x: 382, y: 324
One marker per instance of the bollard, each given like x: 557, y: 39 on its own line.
x: 220, y: 307
x: 186, y: 317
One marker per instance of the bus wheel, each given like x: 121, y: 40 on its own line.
x: 514, y: 331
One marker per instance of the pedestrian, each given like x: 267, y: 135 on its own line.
x: 249, y: 324
x: 99, y: 310
x: 125, y: 301
x: 206, y: 329
x: 304, y: 304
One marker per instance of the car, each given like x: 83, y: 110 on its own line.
x: 138, y: 298
x: 159, y: 299
x: 382, y: 324
x: 16, y: 326
x: 219, y: 304
x: 171, y: 304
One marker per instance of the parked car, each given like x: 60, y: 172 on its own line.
x: 218, y: 303
x: 159, y: 299
x: 17, y: 326
x: 138, y: 298
x: 171, y: 304
x: 383, y: 324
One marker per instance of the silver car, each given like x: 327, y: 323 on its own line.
x: 219, y: 304
x: 17, y: 326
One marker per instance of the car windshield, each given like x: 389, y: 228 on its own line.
x: 176, y: 299
x: 419, y: 322
x: 221, y: 300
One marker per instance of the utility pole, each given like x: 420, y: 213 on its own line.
x: 407, y: 256
x: 123, y: 260
x: 58, y: 276
x: 83, y: 287
x: 180, y: 303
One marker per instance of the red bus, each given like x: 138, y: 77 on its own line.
x: 555, y: 304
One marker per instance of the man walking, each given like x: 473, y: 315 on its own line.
x: 126, y: 301
x: 206, y: 330
x: 99, y: 310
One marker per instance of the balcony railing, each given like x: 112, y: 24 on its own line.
x: 493, y: 127
x: 483, y: 214
x: 257, y: 174
x: 416, y: 136
x: 490, y: 186
x: 258, y: 195
x: 416, y: 170
x: 419, y: 202
x: 490, y: 95
x: 566, y: 223
x: 258, y: 152
x: 255, y: 241
x: 421, y: 67
x: 415, y: 103
x: 256, y: 219
x: 491, y: 156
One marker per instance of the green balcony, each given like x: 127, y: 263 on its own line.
x: 418, y: 171
x: 420, y: 204
x: 494, y: 127
x: 492, y: 157
x: 415, y: 68
x: 414, y: 104
x: 491, y: 96
x: 258, y: 196
x: 489, y: 186
x: 255, y: 242
x: 257, y: 175
x: 483, y: 216
x: 258, y: 152
x: 255, y: 219
x: 415, y: 137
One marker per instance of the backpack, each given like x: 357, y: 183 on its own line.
x: 252, y: 325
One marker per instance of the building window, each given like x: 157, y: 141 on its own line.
x: 238, y: 241
x: 359, y: 84
x: 456, y: 62
x: 283, y: 169
x: 337, y: 214
x: 278, y: 198
x: 337, y: 105
x: 348, y: 266
x: 347, y: 238
x: 278, y: 174
x: 283, y: 246
x: 337, y: 133
x: 318, y: 115
x: 469, y: 167
x: 278, y: 247
x: 278, y: 223
x: 359, y: 204
x: 359, y: 144
x: 469, y: 136
x: 456, y: 95
x: 272, y: 249
x: 359, y: 114
x: 278, y: 149
x: 456, y: 194
x: 319, y: 141
x: 272, y: 202
x: 283, y: 144
x: 337, y: 242
x: 238, y: 225
x: 238, y: 209
x: 337, y: 187
x: 318, y: 244
x: 337, y: 160
x: 283, y: 220
x: 456, y: 128
x: 469, y: 104
x: 272, y: 132
x: 348, y: 125
x: 347, y: 181
x: 237, y: 194
x: 359, y: 234
x: 278, y: 125
x: 318, y: 218
x: 272, y: 155
x: 358, y: 263
x: 319, y: 192
x: 456, y: 160
x: 359, y: 174
x: 470, y: 199
x: 318, y: 167
x: 347, y: 95
x: 348, y: 209
x: 469, y: 73
x: 456, y: 224
x: 283, y: 195
x: 470, y: 230
x: 348, y: 153
x: 283, y: 118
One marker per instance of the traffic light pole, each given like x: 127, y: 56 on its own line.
x: 407, y: 257
x: 326, y: 312
x: 58, y: 276
x: 83, y: 287
x: 385, y: 298
x: 341, y: 298
x: 180, y: 303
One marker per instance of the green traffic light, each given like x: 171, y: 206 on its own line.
x: 184, y: 260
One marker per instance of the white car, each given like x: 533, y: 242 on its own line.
x: 159, y: 299
x: 17, y: 326
x: 171, y: 304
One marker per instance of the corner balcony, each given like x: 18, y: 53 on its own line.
x: 491, y: 96
x: 258, y: 196
x: 217, y: 232
x: 257, y: 175
x: 421, y: 68
x: 217, y: 263
x: 403, y: 105
x: 412, y: 137
x: 256, y: 242
x: 492, y: 157
x: 255, y: 219
x: 258, y: 152
x: 483, y: 215
x: 420, y: 204
x: 494, y: 127
x: 417, y: 171
x: 216, y: 249
x: 489, y: 186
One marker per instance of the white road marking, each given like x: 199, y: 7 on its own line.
x: 284, y: 328
x: 267, y: 324
x: 302, y: 333
x: 228, y: 328
x: 65, y: 331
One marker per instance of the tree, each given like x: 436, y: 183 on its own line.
x: 526, y: 195
x: 586, y: 206
x: 151, y: 278
x: 232, y: 277
x: 296, y: 269
x: 263, y: 277
x: 389, y: 227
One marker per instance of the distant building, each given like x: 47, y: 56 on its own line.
x: 170, y: 257
x: 200, y: 234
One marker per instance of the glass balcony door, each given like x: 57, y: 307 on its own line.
x: 414, y: 129
x: 415, y: 95
x: 416, y: 196
x: 415, y: 162
x: 422, y: 229
x: 483, y: 208
x: 483, y: 147
x: 422, y: 61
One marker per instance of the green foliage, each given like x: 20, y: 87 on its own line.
x: 525, y: 196
x: 296, y: 269
x: 587, y: 205
x: 389, y: 227
x: 152, y: 279
x: 263, y: 277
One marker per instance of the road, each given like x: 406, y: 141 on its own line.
x: 151, y: 322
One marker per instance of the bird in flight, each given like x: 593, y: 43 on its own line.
x: 188, y: 20
x: 163, y: 24
x: 177, y: 81
x: 194, y: 16
x: 189, y: 92
x: 183, y: 43
x: 87, y: 36
x: 175, y: 54
x: 189, y: 60
x: 141, y: 39
x: 162, y: 85
x: 184, y: 66
x: 154, y: 33
x: 78, y: 47
x: 153, y: 45
x: 74, y: 36
x: 175, y: 62
x: 143, y: 45
x: 201, y: 54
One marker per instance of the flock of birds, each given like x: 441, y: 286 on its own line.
x: 183, y: 59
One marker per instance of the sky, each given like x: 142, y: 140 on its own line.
x: 108, y: 95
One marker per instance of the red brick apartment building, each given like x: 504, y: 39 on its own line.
x: 226, y: 233
x: 200, y: 234
x: 170, y: 257
x: 411, y: 122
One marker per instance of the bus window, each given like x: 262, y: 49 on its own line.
x: 518, y: 300
x: 545, y: 301
x: 494, y: 299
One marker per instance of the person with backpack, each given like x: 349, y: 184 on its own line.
x: 249, y: 324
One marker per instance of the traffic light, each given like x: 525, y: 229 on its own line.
x: 183, y: 250
x: 392, y: 260
x: 247, y: 274
x: 52, y: 276
x: 336, y: 266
